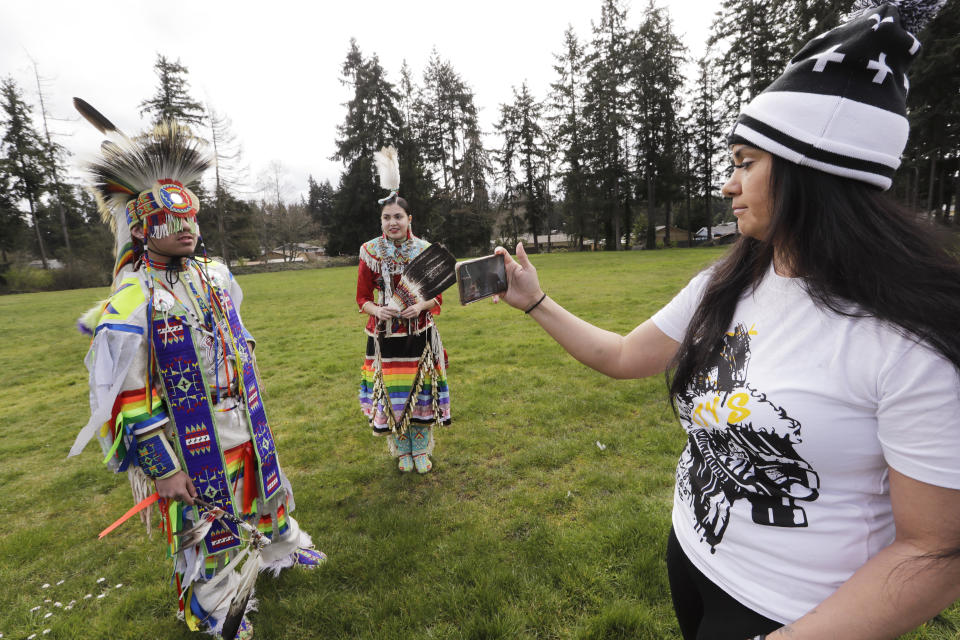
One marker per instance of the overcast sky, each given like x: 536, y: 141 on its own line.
x: 274, y: 67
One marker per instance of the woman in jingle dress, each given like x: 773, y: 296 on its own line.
x: 403, y: 382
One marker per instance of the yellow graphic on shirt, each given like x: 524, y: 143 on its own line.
x: 751, y: 332
x: 741, y: 446
x: 732, y: 411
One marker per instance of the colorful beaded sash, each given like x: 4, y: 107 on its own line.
x: 190, y: 409
x: 262, y: 436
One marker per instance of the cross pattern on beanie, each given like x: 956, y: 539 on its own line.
x: 880, y: 65
x: 876, y: 17
x: 916, y: 43
x: 826, y: 107
x: 829, y: 55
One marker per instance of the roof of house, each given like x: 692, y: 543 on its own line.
x: 718, y: 230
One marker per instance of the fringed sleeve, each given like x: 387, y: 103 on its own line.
x: 117, y: 365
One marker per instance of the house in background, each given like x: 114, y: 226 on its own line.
x: 724, y: 233
x: 558, y: 240
x: 678, y: 236
x: 294, y: 252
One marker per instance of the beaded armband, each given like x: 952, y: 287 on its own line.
x: 155, y: 455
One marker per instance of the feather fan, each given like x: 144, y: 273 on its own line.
x: 388, y: 167
x: 426, y: 277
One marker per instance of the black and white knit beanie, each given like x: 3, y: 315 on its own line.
x: 840, y: 105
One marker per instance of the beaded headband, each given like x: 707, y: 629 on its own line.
x: 167, y: 199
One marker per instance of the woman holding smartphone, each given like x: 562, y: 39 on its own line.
x: 815, y: 368
x: 403, y: 384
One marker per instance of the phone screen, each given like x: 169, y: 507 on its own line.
x: 481, y: 278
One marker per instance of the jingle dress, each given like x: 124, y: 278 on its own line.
x: 405, y: 360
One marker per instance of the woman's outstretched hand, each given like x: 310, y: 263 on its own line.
x: 523, y: 285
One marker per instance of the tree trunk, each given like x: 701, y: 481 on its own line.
x: 614, y: 214
x: 534, y: 227
x: 708, y: 205
x: 933, y: 173
x: 221, y: 228
x: 956, y: 199
x: 686, y: 203
x: 666, y: 217
x: 943, y: 213
x: 651, y: 218
x: 53, y: 162
x: 596, y: 228
x: 63, y: 218
x: 36, y: 228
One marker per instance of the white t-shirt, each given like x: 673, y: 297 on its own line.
x: 782, y: 490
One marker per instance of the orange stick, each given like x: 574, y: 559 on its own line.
x: 143, y: 504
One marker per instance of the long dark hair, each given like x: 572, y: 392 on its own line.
x: 859, y: 254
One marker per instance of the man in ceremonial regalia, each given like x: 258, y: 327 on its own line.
x: 175, y: 397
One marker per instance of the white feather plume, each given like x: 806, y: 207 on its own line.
x: 388, y: 167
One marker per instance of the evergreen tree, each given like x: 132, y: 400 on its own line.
x: 354, y: 210
x: 93, y: 240
x: 450, y: 140
x: 509, y: 200
x: 446, y: 112
x: 806, y: 19
x: 13, y: 230
x: 22, y: 158
x: 320, y: 199
x: 567, y: 127
x: 706, y: 131
x: 605, y: 116
x: 523, y: 144
x: 172, y: 100
x: 655, y: 82
x: 476, y: 207
x: 416, y: 186
x: 754, y: 47
x: 244, y: 232
x: 933, y: 150
x: 372, y: 121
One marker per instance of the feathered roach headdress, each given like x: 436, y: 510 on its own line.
x: 388, y: 167
x: 144, y: 180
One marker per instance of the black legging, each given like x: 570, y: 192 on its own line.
x: 704, y: 610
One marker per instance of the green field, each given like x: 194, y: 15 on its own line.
x: 525, y: 529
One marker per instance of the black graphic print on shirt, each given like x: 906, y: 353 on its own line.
x: 740, y: 445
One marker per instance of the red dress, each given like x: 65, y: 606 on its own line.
x: 403, y: 379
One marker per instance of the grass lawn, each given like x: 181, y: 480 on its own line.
x: 525, y: 528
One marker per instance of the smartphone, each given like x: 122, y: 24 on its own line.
x: 481, y: 278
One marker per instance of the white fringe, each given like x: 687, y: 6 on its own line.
x: 287, y: 561
x: 142, y: 488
